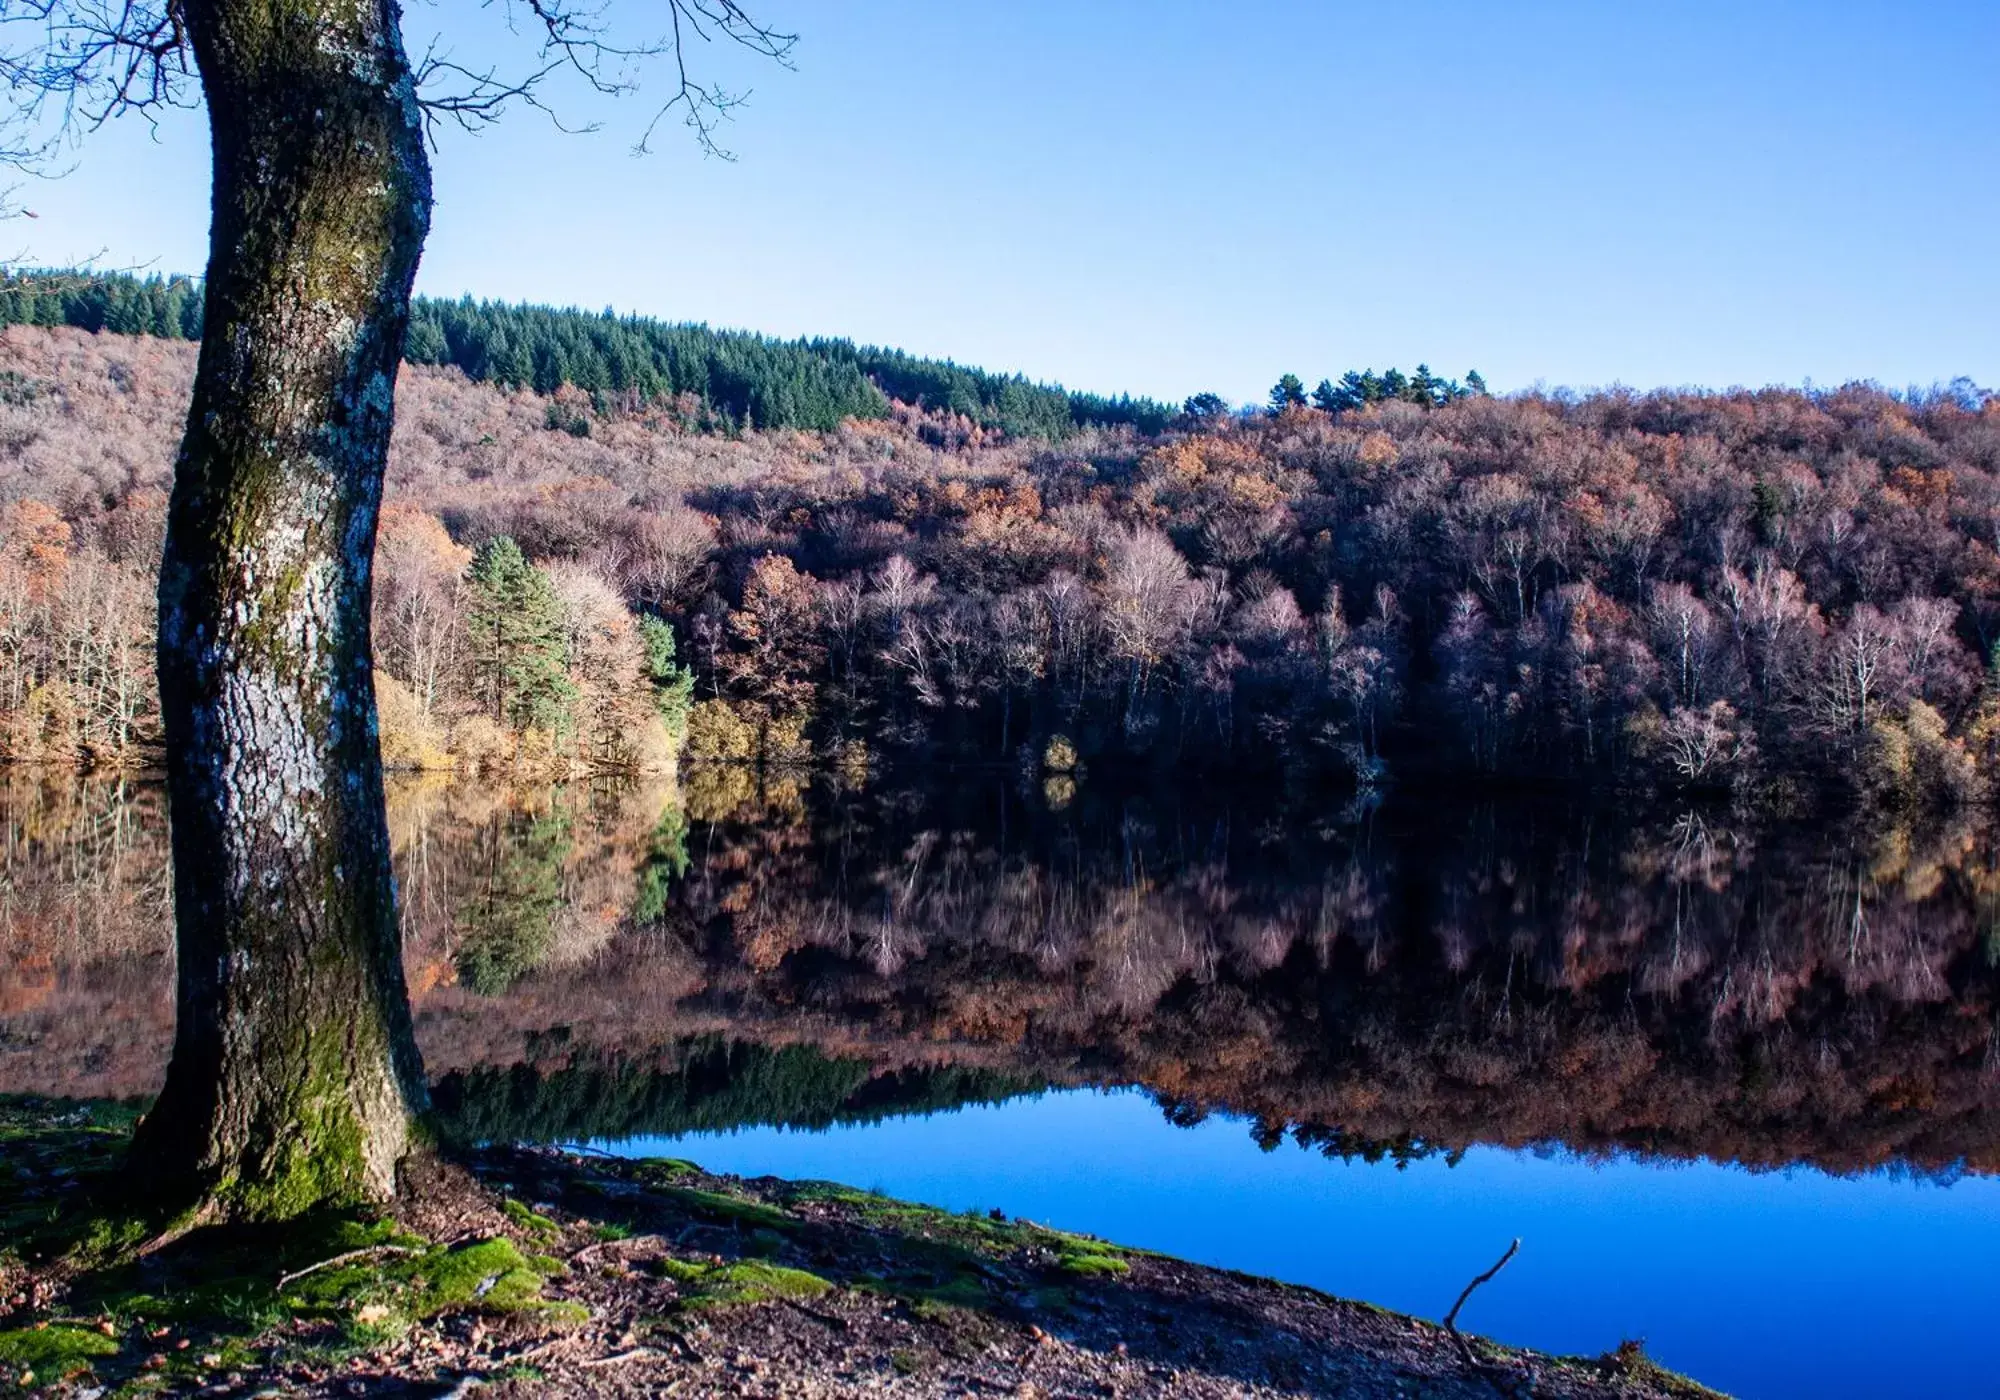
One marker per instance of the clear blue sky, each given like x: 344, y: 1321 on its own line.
x: 1166, y: 196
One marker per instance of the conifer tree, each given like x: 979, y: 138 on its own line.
x: 1424, y: 387
x: 516, y: 624
x: 1288, y: 392
x: 673, y: 685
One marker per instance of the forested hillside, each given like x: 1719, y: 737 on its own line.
x: 715, y: 380
x: 1776, y: 591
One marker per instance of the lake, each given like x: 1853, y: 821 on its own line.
x: 1733, y: 1081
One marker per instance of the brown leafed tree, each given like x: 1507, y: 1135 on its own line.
x: 295, y: 1080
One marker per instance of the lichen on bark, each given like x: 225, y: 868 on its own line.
x: 295, y: 1077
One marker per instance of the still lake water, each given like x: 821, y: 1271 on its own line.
x: 1734, y: 1084
x: 1771, y: 1284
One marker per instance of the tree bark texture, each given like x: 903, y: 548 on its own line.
x: 295, y: 1079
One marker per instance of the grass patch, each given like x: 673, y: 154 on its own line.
x: 745, y: 1281
x: 833, y: 1193
x: 717, y: 1208
x: 662, y: 1168
x: 963, y: 1291
x: 1629, y: 1361
x: 1088, y: 1258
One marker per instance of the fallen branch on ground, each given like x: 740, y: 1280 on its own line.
x: 1451, y: 1318
x: 286, y: 1280
x: 1502, y: 1380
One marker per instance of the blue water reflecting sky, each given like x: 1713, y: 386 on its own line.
x: 1767, y: 1285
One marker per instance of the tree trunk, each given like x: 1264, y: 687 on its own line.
x: 295, y: 1076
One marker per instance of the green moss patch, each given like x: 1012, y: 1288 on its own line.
x: 527, y: 1219
x: 54, y: 1352
x: 663, y: 1168
x: 485, y: 1276
x: 744, y: 1281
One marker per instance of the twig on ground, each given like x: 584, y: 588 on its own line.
x: 527, y: 1354
x: 1451, y: 1318
x: 618, y: 1358
x: 287, y: 1280
x: 1502, y: 1380
x: 590, y: 1249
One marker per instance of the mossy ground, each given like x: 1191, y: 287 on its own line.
x: 215, y: 1300
x: 529, y: 1270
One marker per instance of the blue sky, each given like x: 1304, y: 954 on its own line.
x: 1167, y: 197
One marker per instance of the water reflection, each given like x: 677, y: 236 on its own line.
x: 1402, y: 982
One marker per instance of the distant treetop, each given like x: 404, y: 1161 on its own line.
x: 1360, y: 388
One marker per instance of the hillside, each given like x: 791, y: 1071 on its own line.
x: 715, y: 380
x: 1777, y: 592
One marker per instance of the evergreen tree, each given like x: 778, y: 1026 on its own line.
x: 1206, y: 408
x: 1475, y: 383
x: 1424, y: 387
x: 516, y: 624
x: 1288, y: 392
x: 673, y: 685
x: 742, y: 379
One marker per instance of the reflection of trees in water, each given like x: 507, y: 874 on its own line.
x: 496, y: 882
x: 507, y: 923
x: 1486, y: 973
x: 1506, y: 903
x: 1407, y: 980
x: 86, y: 936
x: 83, y: 869
x: 699, y: 1084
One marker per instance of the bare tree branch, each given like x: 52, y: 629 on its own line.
x: 578, y: 38
x: 70, y: 66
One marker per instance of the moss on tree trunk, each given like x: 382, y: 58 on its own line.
x: 295, y: 1076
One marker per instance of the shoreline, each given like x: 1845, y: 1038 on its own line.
x: 532, y: 1271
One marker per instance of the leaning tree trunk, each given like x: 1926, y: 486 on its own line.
x: 295, y: 1075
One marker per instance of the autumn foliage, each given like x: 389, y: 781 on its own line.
x: 1776, y: 591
